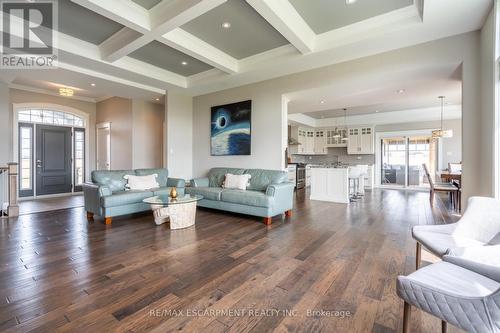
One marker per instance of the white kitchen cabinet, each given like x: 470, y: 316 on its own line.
x: 302, y: 140
x: 320, y: 142
x: 361, y: 141
x: 333, y: 141
x: 311, y: 141
x: 309, y: 147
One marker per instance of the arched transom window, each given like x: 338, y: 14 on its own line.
x: 47, y: 116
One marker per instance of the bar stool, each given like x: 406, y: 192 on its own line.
x: 364, y: 173
x: 354, y: 175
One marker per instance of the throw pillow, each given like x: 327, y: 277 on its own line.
x: 141, y: 183
x: 238, y: 182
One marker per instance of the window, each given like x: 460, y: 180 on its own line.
x: 79, y: 152
x: 26, y: 159
x: 50, y: 117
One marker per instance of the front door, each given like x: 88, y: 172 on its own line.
x: 53, y: 159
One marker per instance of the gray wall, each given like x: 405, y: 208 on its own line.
x: 147, y: 134
x: 118, y: 111
x: 136, y: 132
x: 178, y: 144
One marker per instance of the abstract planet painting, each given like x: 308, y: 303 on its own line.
x: 231, y: 129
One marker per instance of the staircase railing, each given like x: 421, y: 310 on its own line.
x: 9, y: 189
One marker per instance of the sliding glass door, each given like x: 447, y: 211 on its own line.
x: 402, y: 158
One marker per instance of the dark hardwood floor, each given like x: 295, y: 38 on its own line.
x: 230, y: 273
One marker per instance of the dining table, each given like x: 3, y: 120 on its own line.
x: 447, y: 176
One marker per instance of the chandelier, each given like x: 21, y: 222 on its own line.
x: 442, y: 133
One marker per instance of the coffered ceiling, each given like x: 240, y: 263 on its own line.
x: 249, y: 33
x: 326, y: 15
x: 200, y: 46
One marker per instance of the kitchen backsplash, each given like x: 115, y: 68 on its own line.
x: 335, y: 155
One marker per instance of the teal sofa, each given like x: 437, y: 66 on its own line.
x: 269, y: 193
x: 106, y: 195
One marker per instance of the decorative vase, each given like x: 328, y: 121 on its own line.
x: 173, y: 193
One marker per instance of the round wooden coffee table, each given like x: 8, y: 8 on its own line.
x: 180, y: 212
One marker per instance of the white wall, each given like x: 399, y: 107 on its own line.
x: 178, y: 146
x: 267, y: 148
x: 5, y: 126
x: 147, y: 134
x: 489, y: 76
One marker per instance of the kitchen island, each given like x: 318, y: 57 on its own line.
x: 330, y: 184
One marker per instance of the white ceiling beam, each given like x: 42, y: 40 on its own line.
x: 91, y: 52
x: 164, y: 20
x: 108, y: 77
x: 121, y: 44
x: 284, y: 18
x: 171, y: 14
x: 193, y: 46
x: 125, y: 12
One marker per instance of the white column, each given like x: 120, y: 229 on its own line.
x: 178, y: 141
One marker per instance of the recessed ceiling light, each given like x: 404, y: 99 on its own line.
x: 92, y: 84
x: 184, y: 63
x: 350, y: 2
x: 400, y: 91
x: 226, y: 25
x: 322, y: 102
x: 68, y: 92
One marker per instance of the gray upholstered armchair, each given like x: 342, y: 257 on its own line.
x: 479, y: 226
x: 462, y: 290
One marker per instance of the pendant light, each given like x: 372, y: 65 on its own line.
x: 442, y: 133
x: 344, y: 137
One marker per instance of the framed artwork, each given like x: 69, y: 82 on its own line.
x: 231, y: 129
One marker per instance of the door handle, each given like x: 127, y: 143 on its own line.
x: 38, y: 163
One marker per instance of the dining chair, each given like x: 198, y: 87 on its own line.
x: 451, y: 189
x: 479, y: 226
x: 455, y: 167
x: 458, y: 291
